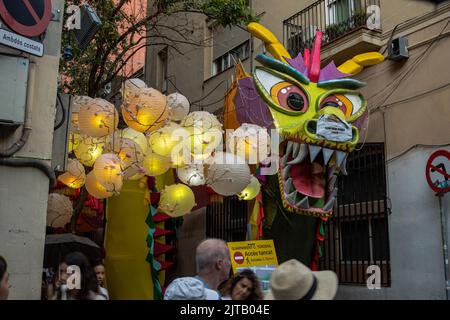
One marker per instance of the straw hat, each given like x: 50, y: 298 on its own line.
x: 292, y: 280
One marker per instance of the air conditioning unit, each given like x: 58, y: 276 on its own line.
x: 90, y: 24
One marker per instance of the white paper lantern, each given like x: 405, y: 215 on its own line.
x: 251, y: 191
x: 228, y: 174
x: 164, y: 140
x: 131, y: 87
x: 176, y: 200
x: 179, y: 106
x: 205, y: 132
x: 155, y: 165
x: 192, y: 175
x: 59, y: 210
x: 108, y: 172
x: 98, y: 119
x: 75, y: 176
x: 88, y: 150
x: 136, y: 136
x: 77, y: 103
x: 250, y: 142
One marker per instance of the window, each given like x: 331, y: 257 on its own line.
x: 227, y: 60
x: 227, y: 220
x: 357, y: 235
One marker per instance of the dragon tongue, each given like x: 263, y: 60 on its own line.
x: 307, y: 179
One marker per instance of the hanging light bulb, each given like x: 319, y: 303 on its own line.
x: 75, y: 176
x: 98, y: 119
x: 147, y: 111
x: 176, y: 200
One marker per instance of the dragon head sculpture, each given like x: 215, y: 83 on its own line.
x: 317, y: 112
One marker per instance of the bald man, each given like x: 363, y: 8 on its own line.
x: 213, y: 262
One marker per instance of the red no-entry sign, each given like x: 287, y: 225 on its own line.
x: 438, y: 171
x: 238, y: 257
x: 26, y: 17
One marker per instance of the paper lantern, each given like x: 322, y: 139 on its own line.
x: 88, y: 150
x: 138, y: 137
x: 96, y: 189
x: 164, y: 140
x: 131, y: 155
x: 75, y: 176
x: 176, y: 200
x: 251, y: 191
x: 228, y: 174
x: 59, y: 210
x: 205, y: 132
x: 179, y: 106
x: 74, y: 140
x: 108, y: 172
x: 147, y: 111
x: 77, y: 103
x: 192, y: 175
x: 98, y: 119
x: 155, y: 164
x: 250, y: 142
x: 132, y: 87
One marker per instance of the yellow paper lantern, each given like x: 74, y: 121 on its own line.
x: 228, y: 174
x: 77, y: 103
x: 155, y: 165
x: 132, y: 87
x: 98, y: 119
x: 74, y: 140
x: 192, y: 175
x: 136, y: 136
x: 59, y: 210
x: 179, y: 106
x: 205, y: 132
x: 250, y: 142
x: 108, y: 172
x: 176, y: 200
x: 75, y: 176
x: 251, y: 191
x: 88, y: 150
x: 96, y: 189
x: 164, y: 140
x: 146, y: 112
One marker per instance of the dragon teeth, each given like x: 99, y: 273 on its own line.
x: 289, y: 187
x: 296, y: 149
x: 284, y: 160
x: 314, y: 152
x: 304, y: 204
x: 340, y: 157
x: 301, y: 155
x: 332, y: 182
x: 343, y: 167
x: 327, y: 154
x: 329, y: 205
x: 289, y: 147
x: 285, y: 172
x: 291, y: 197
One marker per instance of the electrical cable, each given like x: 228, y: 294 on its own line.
x: 64, y: 112
x: 38, y: 164
x: 417, y: 146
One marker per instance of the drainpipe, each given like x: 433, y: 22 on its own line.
x: 444, y: 246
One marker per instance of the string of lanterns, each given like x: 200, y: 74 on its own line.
x: 162, y: 134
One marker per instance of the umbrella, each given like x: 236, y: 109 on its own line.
x: 57, y: 246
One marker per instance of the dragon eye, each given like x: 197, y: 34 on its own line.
x: 289, y: 97
x: 351, y: 104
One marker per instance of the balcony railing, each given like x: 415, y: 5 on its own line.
x: 335, y: 18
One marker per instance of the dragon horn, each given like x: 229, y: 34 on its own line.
x: 271, y: 42
x: 358, y: 62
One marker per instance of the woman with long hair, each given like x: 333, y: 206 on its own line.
x: 243, y: 286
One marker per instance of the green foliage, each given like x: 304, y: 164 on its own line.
x: 122, y: 34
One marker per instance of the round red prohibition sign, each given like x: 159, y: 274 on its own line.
x: 26, y: 17
x: 238, y: 257
x: 438, y: 171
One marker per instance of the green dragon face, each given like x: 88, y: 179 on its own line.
x: 318, y: 118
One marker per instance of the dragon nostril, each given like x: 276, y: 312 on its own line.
x: 312, y: 127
